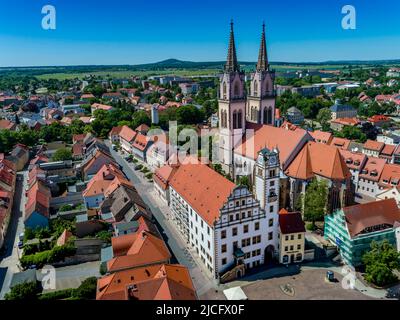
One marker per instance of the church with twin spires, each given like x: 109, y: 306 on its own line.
x: 240, y: 108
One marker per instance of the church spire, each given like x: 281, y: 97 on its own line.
x: 262, y: 63
x: 231, y: 61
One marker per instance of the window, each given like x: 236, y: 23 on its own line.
x: 257, y: 226
x: 249, y: 214
x: 271, y: 208
x: 248, y: 241
x: 272, y: 183
x: 202, y: 237
x: 237, y: 216
x: 196, y: 230
x: 291, y: 248
x: 196, y: 217
x: 208, y: 230
x: 270, y: 236
x: 292, y: 237
x: 243, y: 202
x: 245, y: 228
x: 201, y: 223
x: 286, y: 238
x: 234, y: 232
x: 298, y: 246
x: 271, y: 222
x: 223, y: 248
x: 243, y: 215
x: 237, y: 203
x: 223, y: 234
x: 299, y: 236
x: 286, y: 248
x: 208, y: 244
x: 223, y: 261
x: 243, y: 242
x: 235, y: 245
x: 230, y: 218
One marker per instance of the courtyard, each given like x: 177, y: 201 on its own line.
x: 305, y: 285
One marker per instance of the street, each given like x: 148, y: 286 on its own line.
x: 9, y: 261
x: 202, y: 281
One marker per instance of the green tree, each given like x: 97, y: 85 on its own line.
x: 23, y: 291
x: 380, y: 262
x: 323, y: 117
x: 62, y: 154
x: 139, y: 118
x: 315, y: 200
x: 87, y: 289
x: 189, y: 114
x: 245, y: 181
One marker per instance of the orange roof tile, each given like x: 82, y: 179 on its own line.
x: 161, y: 281
x: 270, y: 137
x: 318, y: 159
x: 146, y: 249
x: 373, y: 169
x: 340, y: 143
x: 205, y: 190
x: 353, y: 160
x: 127, y: 133
x: 321, y: 136
x: 373, y: 145
x: 141, y: 141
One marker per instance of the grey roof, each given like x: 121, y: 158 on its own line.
x: 107, y: 254
x: 125, y: 226
x: 22, y: 277
x: 341, y: 107
x: 293, y: 110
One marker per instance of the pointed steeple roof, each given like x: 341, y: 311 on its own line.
x: 262, y: 63
x: 231, y: 61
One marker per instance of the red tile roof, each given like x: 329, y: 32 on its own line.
x: 340, y: 143
x: 321, y: 136
x: 38, y: 200
x: 290, y: 222
x: 318, y: 159
x: 127, y: 134
x: 142, y: 249
x: 141, y: 141
x: 362, y: 216
x: 272, y: 137
x: 163, y: 175
x: 373, y: 145
x: 157, y: 282
x: 373, y: 169
x: 388, y: 150
x: 353, y: 160
x: 205, y: 190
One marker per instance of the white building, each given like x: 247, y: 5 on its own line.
x: 223, y: 222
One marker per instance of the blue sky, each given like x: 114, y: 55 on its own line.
x: 142, y: 31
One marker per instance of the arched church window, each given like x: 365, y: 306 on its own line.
x: 236, y: 89
x: 235, y: 116
x: 269, y: 115
x: 255, y: 88
x: 265, y: 116
x: 239, y: 119
x: 224, y: 90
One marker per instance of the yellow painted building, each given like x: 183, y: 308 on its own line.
x: 291, y: 237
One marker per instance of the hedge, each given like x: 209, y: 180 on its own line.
x: 56, y: 254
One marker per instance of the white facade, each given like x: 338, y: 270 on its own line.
x: 242, y: 225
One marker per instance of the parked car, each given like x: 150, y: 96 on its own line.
x: 21, y: 236
x: 20, y: 245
